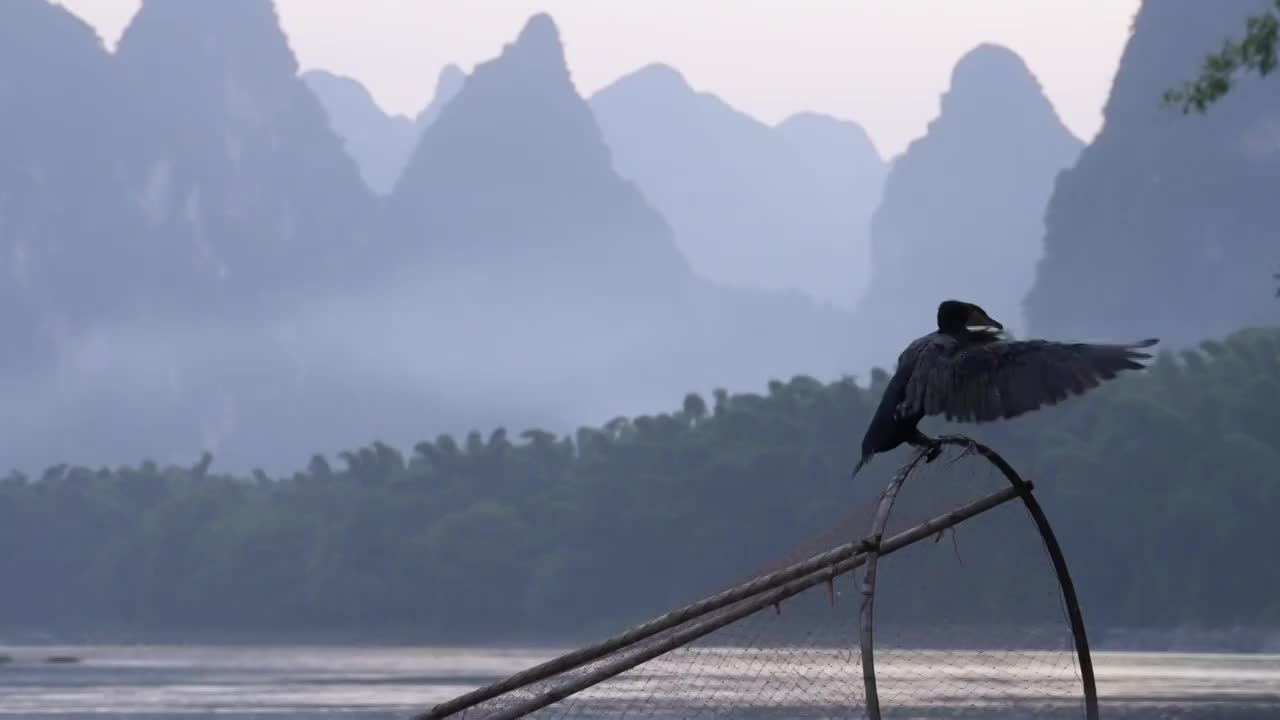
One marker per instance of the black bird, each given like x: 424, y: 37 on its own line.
x: 969, y: 371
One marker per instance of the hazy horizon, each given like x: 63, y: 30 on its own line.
x: 767, y: 61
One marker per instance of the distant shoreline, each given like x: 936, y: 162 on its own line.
x: 1243, y: 641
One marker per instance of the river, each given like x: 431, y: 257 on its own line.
x: 368, y: 683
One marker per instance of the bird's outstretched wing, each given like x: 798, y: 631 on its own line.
x: 1005, y: 378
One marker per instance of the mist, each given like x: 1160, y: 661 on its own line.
x: 278, y: 360
x: 277, y: 268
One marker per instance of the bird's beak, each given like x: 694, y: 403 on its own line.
x: 979, y: 318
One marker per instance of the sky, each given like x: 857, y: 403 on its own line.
x: 881, y: 63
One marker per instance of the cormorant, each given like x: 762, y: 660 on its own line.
x: 969, y: 371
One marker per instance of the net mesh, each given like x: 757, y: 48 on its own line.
x: 968, y: 624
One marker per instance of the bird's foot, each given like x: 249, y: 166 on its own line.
x: 929, y: 446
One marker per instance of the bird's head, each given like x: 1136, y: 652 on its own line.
x: 955, y: 316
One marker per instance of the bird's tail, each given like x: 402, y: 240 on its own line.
x: 863, y: 461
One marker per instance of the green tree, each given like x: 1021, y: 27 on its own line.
x: 1255, y: 52
x: 1147, y: 479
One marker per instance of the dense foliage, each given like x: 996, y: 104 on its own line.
x: 1162, y: 487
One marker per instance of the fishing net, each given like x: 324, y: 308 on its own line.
x: 968, y: 623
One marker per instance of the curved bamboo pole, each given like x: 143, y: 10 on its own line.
x: 866, y: 620
x: 1074, y: 616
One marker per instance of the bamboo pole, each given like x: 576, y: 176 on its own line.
x: 759, y: 601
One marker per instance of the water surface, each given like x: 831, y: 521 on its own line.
x: 368, y: 683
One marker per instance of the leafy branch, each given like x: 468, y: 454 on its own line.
x: 1255, y: 53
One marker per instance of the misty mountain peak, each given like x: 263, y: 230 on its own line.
x: 246, y: 33
x: 522, y: 103
x: 448, y: 84
x: 532, y: 68
x: 741, y: 194
x: 450, y: 81
x: 988, y: 62
x: 515, y: 167
x: 962, y: 210
x: 656, y: 77
x: 233, y: 53
x: 657, y: 91
x: 24, y: 22
x: 538, y: 45
x: 844, y: 136
x: 239, y: 168
x: 992, y: 82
